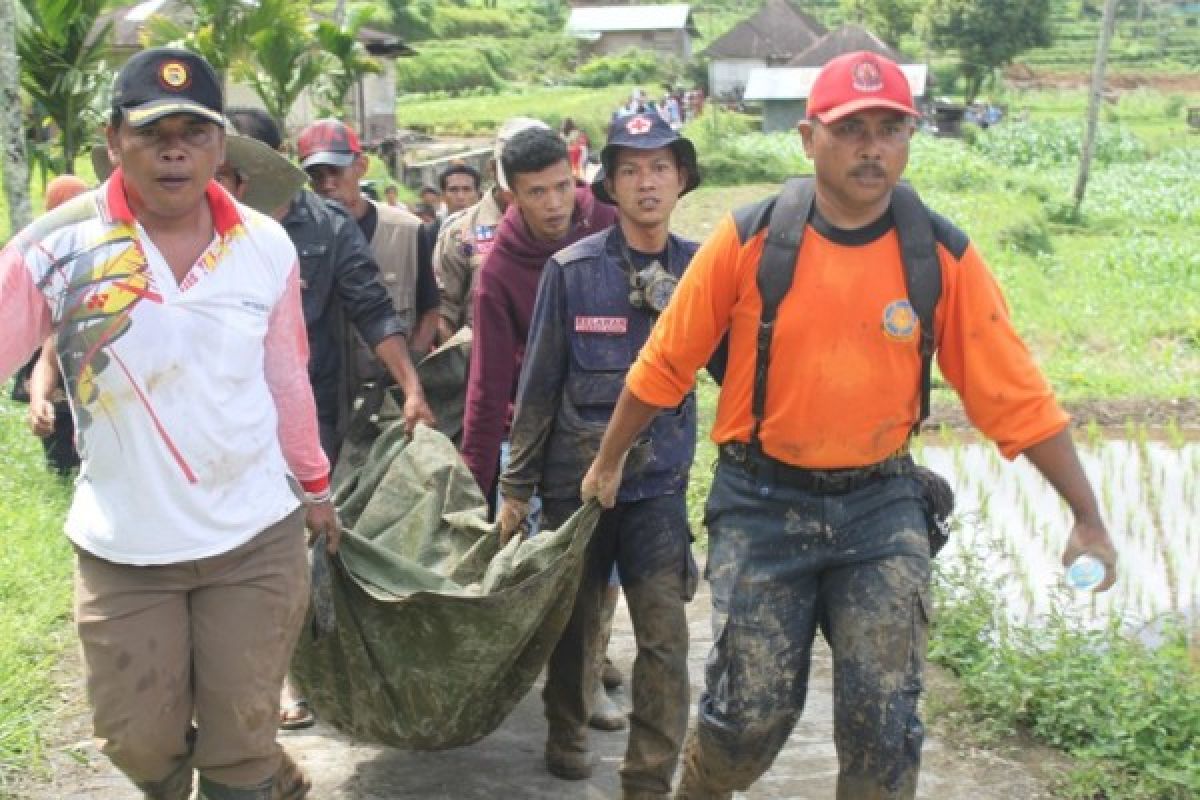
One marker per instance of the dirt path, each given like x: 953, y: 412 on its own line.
x: 508, y: 764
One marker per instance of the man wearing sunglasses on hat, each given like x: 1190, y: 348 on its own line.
x: 596, y: 303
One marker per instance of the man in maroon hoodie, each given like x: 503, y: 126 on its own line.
x: 547, y: 213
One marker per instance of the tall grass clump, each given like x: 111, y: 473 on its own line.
x: 1128, y: 713
x: 35, y: 592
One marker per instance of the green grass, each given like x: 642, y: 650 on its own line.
x: 35, y: 595
x: 1128, y: 714
x: 481, y: 115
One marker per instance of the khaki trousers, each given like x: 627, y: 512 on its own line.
x: 205, y: 642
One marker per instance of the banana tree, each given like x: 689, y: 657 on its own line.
x: 350, y: 59
x: 61, y: 50
x: 284, y: 60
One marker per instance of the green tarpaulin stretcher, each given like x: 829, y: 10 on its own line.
x: 438, y: 633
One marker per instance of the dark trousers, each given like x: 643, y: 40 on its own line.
x: 781, y: 561
x: 649, y: 542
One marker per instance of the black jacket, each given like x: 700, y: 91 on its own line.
x: 340, y: 284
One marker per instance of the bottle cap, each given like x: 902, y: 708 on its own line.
x: 1085, y: 573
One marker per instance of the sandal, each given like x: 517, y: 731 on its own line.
x: 296, y: 715
x: 290, y: 782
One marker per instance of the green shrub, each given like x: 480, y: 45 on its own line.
x: 454, y: 22
x: 443, y: 70
x: 1127, y: 712
x: 629, y: 67
x: 1054, y: 142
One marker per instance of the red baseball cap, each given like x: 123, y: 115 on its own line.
x: 857, y: 81
x: 328, y: 141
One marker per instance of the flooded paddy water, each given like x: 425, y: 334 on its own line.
x: 1010, y: 517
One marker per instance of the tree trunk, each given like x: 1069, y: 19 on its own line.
x: 1097, y: 97
x: 14, y: 167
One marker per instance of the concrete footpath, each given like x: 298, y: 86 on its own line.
x: 508, y: 764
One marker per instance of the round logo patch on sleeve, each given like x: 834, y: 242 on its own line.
x: 900, y: 321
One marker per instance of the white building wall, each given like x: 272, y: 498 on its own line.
x: 728, y: 76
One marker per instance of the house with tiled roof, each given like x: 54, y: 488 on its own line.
x: 777, y: 33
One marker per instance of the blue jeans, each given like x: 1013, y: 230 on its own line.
x: 781, y: 562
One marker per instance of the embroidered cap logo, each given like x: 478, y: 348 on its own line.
x: 866, y: 77
x: 173, y: 75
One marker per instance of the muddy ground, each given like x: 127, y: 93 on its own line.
x: 508, y: 764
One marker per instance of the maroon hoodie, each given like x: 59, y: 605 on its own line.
x: 503, y: 305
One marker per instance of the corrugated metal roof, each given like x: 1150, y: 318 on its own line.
x: 608, y: 19
x: 795, y: 83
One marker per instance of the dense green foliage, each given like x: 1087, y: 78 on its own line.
x: 986, y: 34
x: 632, y: 67
x: 1128, y: 713
x: 62, y: 72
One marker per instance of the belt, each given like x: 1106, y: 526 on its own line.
x: 817, y: 481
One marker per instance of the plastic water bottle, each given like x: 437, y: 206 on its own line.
x: 1085, y: 573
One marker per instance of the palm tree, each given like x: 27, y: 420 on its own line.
x: 14, y: 170
x: 62, y: 67
x: 351, y: 61
x: 220, y: 30
x: 285, y: 60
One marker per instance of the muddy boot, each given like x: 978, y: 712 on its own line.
x: 568, y: 765
x: 211, y: 790
x: 610, y: 676
x: 692, y: 785
x: 290, y: 782
x: 176, y: 786
x: 606, y: 714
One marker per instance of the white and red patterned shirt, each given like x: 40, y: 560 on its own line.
x: 191, y: 398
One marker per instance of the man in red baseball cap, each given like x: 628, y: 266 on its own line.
x: 817, y: 514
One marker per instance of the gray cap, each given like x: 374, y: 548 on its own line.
x: 509, y: 129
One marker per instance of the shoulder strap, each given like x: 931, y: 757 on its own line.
x: 776, y: 268
x: 775, y: 271
x: 922, y: 277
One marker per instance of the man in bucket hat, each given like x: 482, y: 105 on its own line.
x: 181, y: 336
x: 597, y: 301
x: 816, y: 514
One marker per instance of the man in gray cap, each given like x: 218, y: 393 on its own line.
x: 181, y: 336
x: 596, y: 304
x: 466, y: 238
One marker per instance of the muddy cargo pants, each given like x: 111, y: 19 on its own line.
x: 781, y: 561
x: 206, y: 641
x: 649, y: 542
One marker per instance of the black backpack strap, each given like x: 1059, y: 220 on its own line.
x: 922, y: 277
x: 775, y: 271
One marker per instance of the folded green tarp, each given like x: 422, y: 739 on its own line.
x: 438, y: 634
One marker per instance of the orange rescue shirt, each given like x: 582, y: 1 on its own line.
x: 844, y: 380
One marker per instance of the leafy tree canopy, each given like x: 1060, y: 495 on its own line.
x: 985, y: 33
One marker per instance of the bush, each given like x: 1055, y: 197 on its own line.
x: 1128, y: 713
x: 630, y: 67
x: 1054, y: 142
x: 454, y: 22
x: 434, y: 70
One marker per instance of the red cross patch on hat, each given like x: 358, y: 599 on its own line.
x: 639, y: 125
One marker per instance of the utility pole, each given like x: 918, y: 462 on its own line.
x: 1107, y: 24
x: 14, y: 166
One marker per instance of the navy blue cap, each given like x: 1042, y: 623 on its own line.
x: 161, y: 81
x: 645, y: 131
